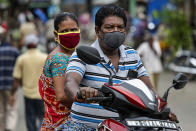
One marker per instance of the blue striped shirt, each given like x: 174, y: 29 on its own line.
x: 96, y: 75
x: 8, y: 55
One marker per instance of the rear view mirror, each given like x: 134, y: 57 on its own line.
x: 88, y: 54
x: 180, y: 81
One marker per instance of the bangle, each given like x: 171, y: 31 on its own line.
x: 75, y: 99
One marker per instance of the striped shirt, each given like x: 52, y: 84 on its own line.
x: 8, y: 55
x: 96, y: 75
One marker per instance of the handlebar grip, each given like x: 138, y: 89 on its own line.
x: 98, y: 98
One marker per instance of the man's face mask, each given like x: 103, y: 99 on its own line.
x: 114, y: 39
x: 68, y: 40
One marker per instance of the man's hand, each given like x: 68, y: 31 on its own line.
x: 12, y: 100
x: 173, y: 117
x: 87, y: 92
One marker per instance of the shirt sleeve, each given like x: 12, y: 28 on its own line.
x: 76, y: 65
x: 17, y: 72
x: 140, y: 67
x: 58, y: 65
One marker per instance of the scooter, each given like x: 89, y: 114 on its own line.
x: 139, y: 108
x: 184, y: 62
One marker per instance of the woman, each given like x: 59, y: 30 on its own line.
x: 52, y: 79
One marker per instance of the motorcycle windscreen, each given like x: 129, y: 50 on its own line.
x: 139, y: 89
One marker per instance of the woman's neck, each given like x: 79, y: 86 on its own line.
x: 65, y: 51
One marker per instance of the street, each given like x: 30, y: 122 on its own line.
x: 182, y: 103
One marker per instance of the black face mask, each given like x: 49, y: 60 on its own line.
x: 114, y: 39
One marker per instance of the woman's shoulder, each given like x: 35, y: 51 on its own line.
x: 59, y: 57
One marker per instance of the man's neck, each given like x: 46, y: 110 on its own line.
x: 110, y: 53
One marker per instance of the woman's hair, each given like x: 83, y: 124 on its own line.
x: 64, y: 16
x: 109, y: 10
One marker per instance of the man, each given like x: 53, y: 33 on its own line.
x: 26, y: 28
x: 26, y: 73
x: 150, y: 51
x: 8, y: 55
x: 110, y: 23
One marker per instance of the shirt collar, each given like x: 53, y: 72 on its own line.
x: 97, y: 46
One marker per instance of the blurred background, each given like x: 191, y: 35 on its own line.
x: 173, y: 22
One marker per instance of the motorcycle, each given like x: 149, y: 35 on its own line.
x: 139, y: 108
x: 184, y: 62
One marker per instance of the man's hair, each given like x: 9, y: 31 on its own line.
x: 64, y: 16
x: 109, y: 10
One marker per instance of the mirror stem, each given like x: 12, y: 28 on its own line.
x: 110, y: 78
x: 167, y: 92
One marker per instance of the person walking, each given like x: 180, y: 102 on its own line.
x: 150, y: 53
x: 52, y: 79
x: 8, y: 56
x: 27, y: 71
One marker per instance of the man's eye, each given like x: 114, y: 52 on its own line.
x: 109, y: 27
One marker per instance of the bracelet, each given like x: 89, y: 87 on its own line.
x: 75, y: 99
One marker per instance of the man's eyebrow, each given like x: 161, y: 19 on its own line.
x: 112, y: 24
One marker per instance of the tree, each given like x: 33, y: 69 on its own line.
x: 178, y: 30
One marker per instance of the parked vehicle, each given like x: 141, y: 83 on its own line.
x: 139, y: 108
x: 185, y: 62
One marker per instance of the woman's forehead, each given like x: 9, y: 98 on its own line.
x: 67, y: 24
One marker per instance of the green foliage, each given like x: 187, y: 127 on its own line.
x: 178, y: 31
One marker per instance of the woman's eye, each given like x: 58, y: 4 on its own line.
x: 73, y: 30
x: 64, y: 31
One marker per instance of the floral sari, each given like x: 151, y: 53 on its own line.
x: 55, y: 112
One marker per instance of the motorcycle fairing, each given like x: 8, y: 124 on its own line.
x: 137, y: 94
x: 111, y: 125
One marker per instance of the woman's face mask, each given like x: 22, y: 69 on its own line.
x: 69, y: 40
x: 114, y: 39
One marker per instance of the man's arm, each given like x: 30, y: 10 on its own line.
x: 72, y: 87
x: 16, y: 84
x: 72, y: 83
x: 147, y: 81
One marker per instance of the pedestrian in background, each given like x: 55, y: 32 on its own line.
x: 8, y: 55
x: 150, y: 53
x: 26, y: 73
x: 27, y: 27
x: 52, y: 80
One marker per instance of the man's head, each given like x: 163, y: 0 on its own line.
x: 3, y: 31
x: 31, y: 41
x: 109, y: 10
x: 149, y: 38
x: 110, y: 26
